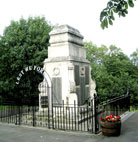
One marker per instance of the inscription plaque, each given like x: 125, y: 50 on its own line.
x: 77, y: 75
x: 86, y: 75
x: 57, y: 90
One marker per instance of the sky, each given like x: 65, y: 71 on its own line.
x: 80, y: 14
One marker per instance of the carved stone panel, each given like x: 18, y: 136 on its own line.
x: 87, y: 75
x: 82, y: 71
x: 56, y: 71
x: 82, y: 88
x: 57, y: 90
x: 77, y: 75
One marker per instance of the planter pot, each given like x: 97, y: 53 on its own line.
x: 111, y: 128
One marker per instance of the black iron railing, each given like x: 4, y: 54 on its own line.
x: 65, y: 117
x: 116, y: 106
x: 73, y: 117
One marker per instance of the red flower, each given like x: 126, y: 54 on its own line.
x: 110, y: 118
x: 113, y: 120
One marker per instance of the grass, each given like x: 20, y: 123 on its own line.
x: 4, y: 107
x: 134, y: 108
x: 13, y: 107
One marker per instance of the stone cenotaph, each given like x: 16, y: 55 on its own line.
x: 68, y: 67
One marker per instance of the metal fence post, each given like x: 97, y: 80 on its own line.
x: 95, y: 113
x: 33, y: 108
x: 19, y: 115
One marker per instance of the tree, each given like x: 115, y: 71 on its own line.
x: 23, y: 43
x: 119, y: 7
x: 112, y: 70
x: 134, y: 57
x: 134, y: 89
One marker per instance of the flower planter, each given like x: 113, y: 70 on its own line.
x: 111, y: 128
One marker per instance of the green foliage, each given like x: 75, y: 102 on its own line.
x: 119, y: 7
x: 113, y: 71
x: 134, y: 72
x: 23, y: 43
x: 134, y: 57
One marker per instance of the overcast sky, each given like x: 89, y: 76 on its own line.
x: 80, y: 14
